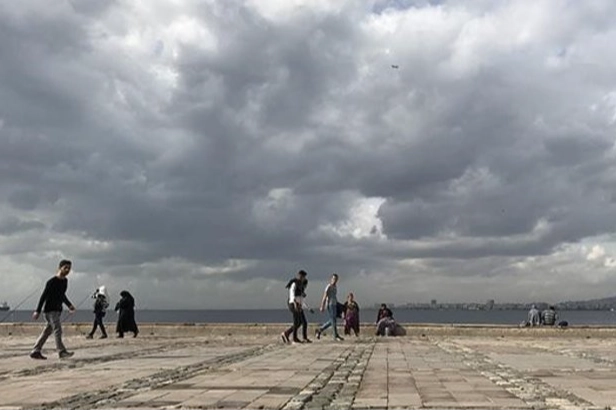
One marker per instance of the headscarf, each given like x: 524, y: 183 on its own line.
x: 125, y: 294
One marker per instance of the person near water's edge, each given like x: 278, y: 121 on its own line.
x: 126, y: 315
x: 549, y: 316
x: 534, y: 317
x: 330, y: 300
x: 351, y: 316
x: 303, y: 321
x: 294, y: 303
x: 385, y: 323
x: 100, y: 309
x: 52, y: 298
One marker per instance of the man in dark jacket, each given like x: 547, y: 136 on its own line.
x: 51, y: 302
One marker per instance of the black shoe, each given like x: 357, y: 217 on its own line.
x: 317, y: 333
x: 120, y: 336
x: 297, y: 341
x: 66, y: 354
x: 307, y: 340
x: 135, y: 335
x: 102, y: 337
x: 89, y: 337
x: 339, y: 338
x: 284, y: 338
x: 37, y: 356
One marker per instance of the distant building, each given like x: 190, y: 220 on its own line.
x: 490, y: 305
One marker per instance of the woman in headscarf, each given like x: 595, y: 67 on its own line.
x: 126, y: 316
x: 351, y: 316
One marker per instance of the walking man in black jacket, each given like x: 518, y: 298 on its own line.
x: 52, y: 299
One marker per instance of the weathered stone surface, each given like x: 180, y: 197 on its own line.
x: 519, y: 371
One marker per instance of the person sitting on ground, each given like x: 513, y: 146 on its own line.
x: 384, y: 311
x: 549, y: 316
x: 534, y: 318
x: 385, y: 325
x: 351, y: 316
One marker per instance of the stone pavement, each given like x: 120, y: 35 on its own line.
x: 259, y: 372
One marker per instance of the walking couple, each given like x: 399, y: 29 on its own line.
x: 297, y: 293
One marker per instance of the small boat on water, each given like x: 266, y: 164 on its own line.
x: 4, y: 306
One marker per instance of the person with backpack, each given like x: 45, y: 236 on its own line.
x: 100, y: 309
x: 294, y: 303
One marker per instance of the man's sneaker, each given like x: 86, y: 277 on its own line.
x: 66, y: 354
x: 89, y: 337
x: 284, y: 338
x: 307, y: 340
x: 339, y: 338
x: 297, y: 341
x: 317, y: 333
x: 37, y: 356
x: 102, y: 337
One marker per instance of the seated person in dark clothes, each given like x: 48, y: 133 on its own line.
x: 385, y: 323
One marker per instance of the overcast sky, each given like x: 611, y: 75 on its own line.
x: 199, y: 153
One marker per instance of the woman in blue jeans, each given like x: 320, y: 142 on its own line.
x: 330, y: 301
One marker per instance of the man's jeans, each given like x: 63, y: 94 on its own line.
x: 53, y: 325
x: 332, y: 309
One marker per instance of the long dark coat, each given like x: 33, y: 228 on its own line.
x: 126, y: 316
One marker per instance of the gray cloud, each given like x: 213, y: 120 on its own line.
x: 232, y: 144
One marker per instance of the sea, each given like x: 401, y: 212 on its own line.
x: 511, y: 317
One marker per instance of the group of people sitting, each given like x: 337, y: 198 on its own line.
x: 546, y: 317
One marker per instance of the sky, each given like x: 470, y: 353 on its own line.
x: 200, y: 153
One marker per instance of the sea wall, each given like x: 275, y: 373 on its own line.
x: 420, y: 330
